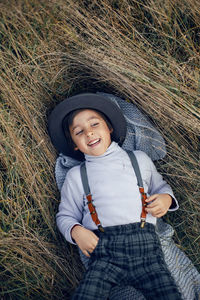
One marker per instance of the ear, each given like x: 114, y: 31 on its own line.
x: 111, y: 130
x: 75, y: 148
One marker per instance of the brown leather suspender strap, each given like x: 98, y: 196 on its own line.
x: 143, y: 213
x: 90, y: 204
x: 93, y: 212
x: 140, y: 185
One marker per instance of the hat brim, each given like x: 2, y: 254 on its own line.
x: 90, y: 101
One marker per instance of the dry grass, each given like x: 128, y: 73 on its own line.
x: 144, y: 51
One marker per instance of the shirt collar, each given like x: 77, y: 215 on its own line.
x: 111, y: 150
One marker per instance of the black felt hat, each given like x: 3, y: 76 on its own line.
x: 90, y: 101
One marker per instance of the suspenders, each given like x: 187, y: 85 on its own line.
x: 91, y: 206
x: 140, y: 186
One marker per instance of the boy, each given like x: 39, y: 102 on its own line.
x: 121, y: 252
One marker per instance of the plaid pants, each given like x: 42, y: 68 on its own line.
x: 127, y: 255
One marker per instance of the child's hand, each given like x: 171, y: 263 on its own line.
x: 85, y: 239
x: 160, y: 204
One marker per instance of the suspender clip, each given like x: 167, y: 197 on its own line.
x: 100, y: 228
x: 143, y: 221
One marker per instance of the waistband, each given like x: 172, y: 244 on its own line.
x: 125, y: 229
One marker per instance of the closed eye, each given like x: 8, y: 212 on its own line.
x: 95, y: 124
x: 79, y: 132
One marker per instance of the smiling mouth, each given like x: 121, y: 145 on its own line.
x: 93, y: 143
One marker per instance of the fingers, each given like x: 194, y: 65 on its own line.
x: 158, y: 204
x: 86, y: 253
x: 85, y: 239
x: 157, y: 214
x: 152, y: 205
x: 89, y: 248
x: 155, y: 208
x: 156, y: 211
x: 152, y: 198
x: 95, y: 237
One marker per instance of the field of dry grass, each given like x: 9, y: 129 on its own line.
x: 146, y: 52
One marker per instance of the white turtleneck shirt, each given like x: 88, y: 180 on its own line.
x: 114, y: 189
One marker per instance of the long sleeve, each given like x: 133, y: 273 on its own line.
x: 70, y: 208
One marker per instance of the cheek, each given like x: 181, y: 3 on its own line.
x: 75, y: 140
x: 79, y: 141
x: 108, y: 137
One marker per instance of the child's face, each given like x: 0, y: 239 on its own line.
x: 90, y: 133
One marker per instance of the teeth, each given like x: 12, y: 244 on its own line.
x: 93, y: 142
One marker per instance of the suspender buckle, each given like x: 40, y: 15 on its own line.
x: 143, y: 221
x: 100, y: 228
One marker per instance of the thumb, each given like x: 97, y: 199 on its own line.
x: 152, y: 198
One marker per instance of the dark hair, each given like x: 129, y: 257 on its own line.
x: 68, y: 121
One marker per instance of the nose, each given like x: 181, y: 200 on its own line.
x: 89, y: 132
